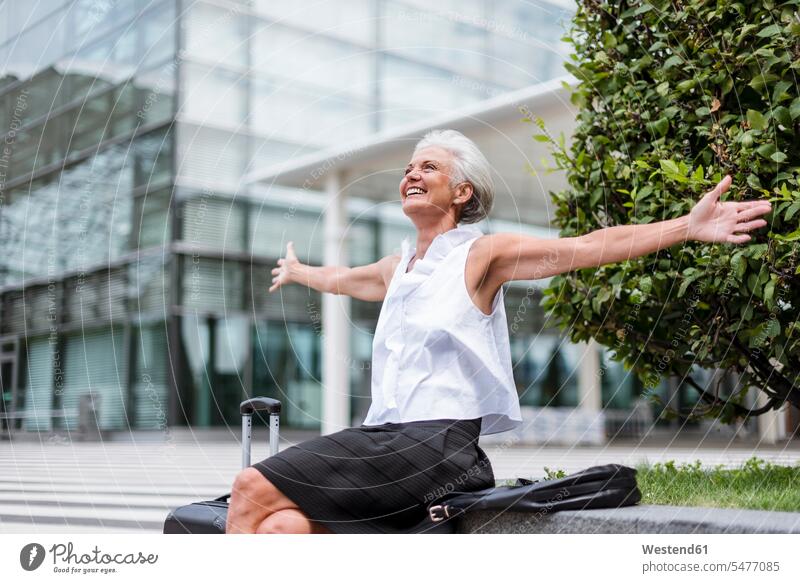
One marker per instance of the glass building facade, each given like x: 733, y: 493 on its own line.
x: 135, y: 261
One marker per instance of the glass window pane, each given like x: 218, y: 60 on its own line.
x: 271, y: 229
x: 286, y: 366
x: 149, y: 285
x: 232, y: 345
x: 33, y: 148
x: 151, y: 383
x: 153, y: 219
x: 98, y: 66
x: 428, y: 90
x: 361, y: 243
x: 95, y: 362
x: 215, y: 34
x: 450, y: 40
x: 153, y: 158
x: 39, y: 384
x: 212, y: 285
x: 156, y: 94
x: 89, y: 124
x: 352, y: 20
x: 36, y: 48
x: 212, y: 223
x: 157, y: 35
x: 315, y: 61
x: 195, y: 340
x: 305, y: 117
x: 214, y: 96
x: 210, y: 156
x: 92, y: 18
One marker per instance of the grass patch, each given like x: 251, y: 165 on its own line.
x: 756, y: 484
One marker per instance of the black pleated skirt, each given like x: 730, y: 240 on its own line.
x: 380, y: 478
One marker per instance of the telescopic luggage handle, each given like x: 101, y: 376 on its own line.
x: 247, y: 408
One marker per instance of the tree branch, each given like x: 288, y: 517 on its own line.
x: 783, y: 387
x: 738, y: 409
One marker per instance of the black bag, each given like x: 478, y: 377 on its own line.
x: 608, y: 486
x: 209, y: 517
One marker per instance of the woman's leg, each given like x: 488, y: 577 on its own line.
x: 290, y: 521
x: 253, y: 499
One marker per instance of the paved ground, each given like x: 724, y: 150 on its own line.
x: 60, y: 487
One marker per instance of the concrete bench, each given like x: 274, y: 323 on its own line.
x: 639, y: 519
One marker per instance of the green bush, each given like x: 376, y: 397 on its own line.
x: 672, y: 96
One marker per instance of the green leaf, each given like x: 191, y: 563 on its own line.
x: 754, y: 181
x: 793, y: 236
x: 752, y: 282
x: 771, y: 30
x: 756, y: 119
x: 739, y: 264
x: 673, y: 61
x: 669, y: 166
x: 790, y: 212
x: 609, y: 40
x: 763, y: 274
x: 794, y: 109
x: 541, y: 138
x: 778, y: 157
x: 779, y: 93
x: 769, y: 292
x: 782, y: 115
x: 758, y: 82
x: 766, y: 150
x: 660, y: 127
x: 773, y: 328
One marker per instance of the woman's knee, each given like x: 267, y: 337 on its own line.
x: 288, y: 521
x: 251, y: 487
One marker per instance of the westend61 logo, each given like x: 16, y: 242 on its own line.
x: 65, y: 560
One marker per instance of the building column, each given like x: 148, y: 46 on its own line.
x: 590, y: 396
x: 335, y: 315
x: 772, y: 424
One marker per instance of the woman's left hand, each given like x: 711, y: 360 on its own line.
x: 719, y: 222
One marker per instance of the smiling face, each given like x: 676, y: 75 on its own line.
x: 425, y: 188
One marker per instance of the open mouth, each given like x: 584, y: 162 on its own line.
x: 414, y: 191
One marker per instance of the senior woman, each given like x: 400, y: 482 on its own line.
x: 441, y: 373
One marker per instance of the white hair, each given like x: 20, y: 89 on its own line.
x: 470, y: 165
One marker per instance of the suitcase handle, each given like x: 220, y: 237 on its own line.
x: 260, y: 404
x: 273, y: 407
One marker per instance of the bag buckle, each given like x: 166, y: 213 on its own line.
x: 438, y: 513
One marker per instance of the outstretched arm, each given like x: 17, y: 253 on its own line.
x: 523, y: 257
x: 365, y: 282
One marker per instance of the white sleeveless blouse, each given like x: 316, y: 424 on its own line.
x: 435, y: 354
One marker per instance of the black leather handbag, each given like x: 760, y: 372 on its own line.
x: 607, y: 486
x: 209, y: 517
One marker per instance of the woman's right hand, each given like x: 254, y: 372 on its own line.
x: 282, y: 272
